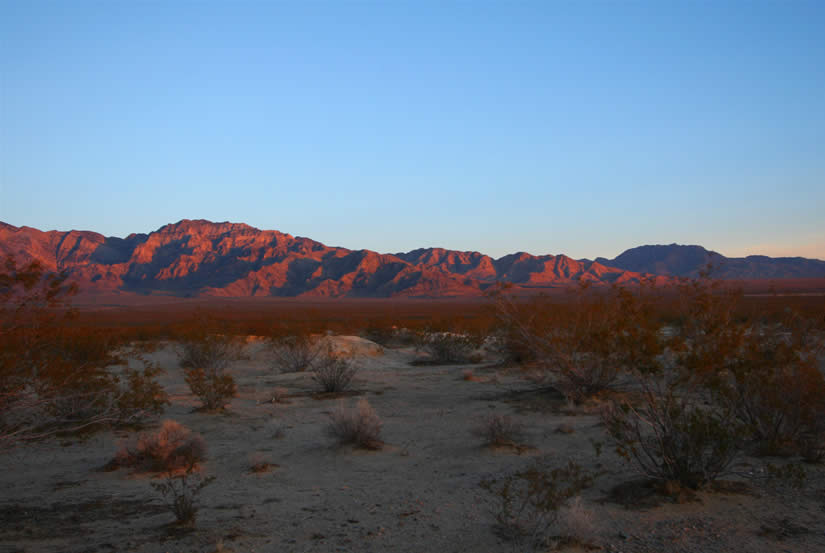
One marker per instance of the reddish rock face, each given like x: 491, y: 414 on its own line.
x: 231, y: 259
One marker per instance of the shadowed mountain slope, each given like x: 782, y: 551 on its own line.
x: 688, y: 261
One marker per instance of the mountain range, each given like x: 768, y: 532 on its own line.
x: 202, y: 258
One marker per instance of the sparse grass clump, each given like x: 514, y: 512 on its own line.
x: 499, y: 430
x: 172, y: 447
x: 360, y: 426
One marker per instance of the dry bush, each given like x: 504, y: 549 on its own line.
x: 295, y: 353
x: 214, y: 387
x: 586, y: 344
x: 172, y: 447
x: 360, y: 427
x: 672, y: 435
x: 676, y: 429
x: 447, y: 348
x: 206, y: 353
x: 56, y: 377
x: 716, y: 382
x: 527, y: 503
x: 577, y: 523
x: 181, y: 492
x: 776, y: 388
x: 203, y: 349
x: 333, y: 374
x: 499, y: 430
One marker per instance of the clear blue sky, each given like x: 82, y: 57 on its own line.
x: 582, y: 128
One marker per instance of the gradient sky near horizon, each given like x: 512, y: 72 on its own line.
x: 583, y: 128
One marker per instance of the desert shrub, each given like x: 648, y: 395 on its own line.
x: 214, y: 387
x: 204, y: 346
x: 205, y: 355
x: 446, y: 348
x: 360, y: 427
x: 57, y: 377
x: 675, y: 429
x: 776, y: 389
x: 333, y: 374
x: 295, y: 353
x: 672, y: 435
x: 499, y: 430
x: 527, y: 502
x: 180, y: 493
x: 171, y: 448
x: 586, y: 344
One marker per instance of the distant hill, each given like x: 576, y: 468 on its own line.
x: 202, y: 258
x: 688, y: 261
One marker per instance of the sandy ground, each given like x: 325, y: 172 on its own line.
x: 419, y: 493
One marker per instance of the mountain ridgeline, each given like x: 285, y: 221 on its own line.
x: 688, y: 261
x: 202, y: 258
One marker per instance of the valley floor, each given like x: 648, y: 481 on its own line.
x: 419, y: 493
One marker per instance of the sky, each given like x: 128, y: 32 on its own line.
x: 582, y: 128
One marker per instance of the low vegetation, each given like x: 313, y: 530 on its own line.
x: 56, y: 378
x: 296, y: 353
x: 333, y: 374
x: 205, y: 354
x: 173, y: 447
x: 527, y: 503
x: 685, y: 383
x: 181, y: 492
x: 448, y: 348
x: 499, y: 430
x: 359, y: 426
x: 701, y: 382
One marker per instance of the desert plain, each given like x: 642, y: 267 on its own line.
x: 421, y: 491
